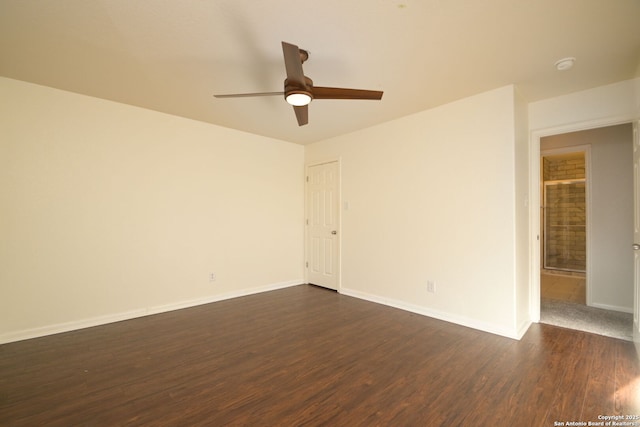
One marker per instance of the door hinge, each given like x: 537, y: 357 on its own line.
x: 307, y: 222
x: 307, y: 264
x: 307, y: 179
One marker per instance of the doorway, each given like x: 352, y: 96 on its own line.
x: 589, y: 242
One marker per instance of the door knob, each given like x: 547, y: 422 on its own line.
x: 636, y: 247
x: 335, y: 232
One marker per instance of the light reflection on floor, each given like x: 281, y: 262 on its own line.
x: 571, y: 288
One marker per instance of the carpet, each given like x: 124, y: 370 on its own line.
x: 565, y: 314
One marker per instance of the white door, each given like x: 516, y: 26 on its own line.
x: 322, y: 225
x: 636, y: 231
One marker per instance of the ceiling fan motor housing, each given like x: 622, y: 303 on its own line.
x: 291, y: 88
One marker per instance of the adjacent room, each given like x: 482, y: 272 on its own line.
x: 292, y: 213
x: 587, y: 212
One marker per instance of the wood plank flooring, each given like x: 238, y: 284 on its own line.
x: 305, y: 356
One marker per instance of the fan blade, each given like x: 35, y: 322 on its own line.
x: 320, y: 92
x: 247, y: 95
x: 293, y: 64
x: 302, y: 114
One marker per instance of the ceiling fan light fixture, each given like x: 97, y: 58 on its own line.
x: 298, y: 99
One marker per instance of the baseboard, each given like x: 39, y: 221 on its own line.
x: 58, y: 328
x: 221, y: 297
x: 524, y: 327
x: 132, y: 314
x: 613, y: 308
x: 447, y: 317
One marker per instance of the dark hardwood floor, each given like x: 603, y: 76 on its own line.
x: 309, y: 356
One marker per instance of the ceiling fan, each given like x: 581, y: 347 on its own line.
x: 299, y: 90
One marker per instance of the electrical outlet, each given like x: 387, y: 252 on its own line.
x: 212, y: 277
x: 431, y: 286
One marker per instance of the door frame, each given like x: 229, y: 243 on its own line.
x: 636, y: 226
x: 586, y: 149
x: 339, y: 220
x: 534, y: 199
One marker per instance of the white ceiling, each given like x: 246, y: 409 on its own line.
x: 172, y: 56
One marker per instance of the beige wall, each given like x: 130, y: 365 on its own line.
x: 112, y: 211
x: 602, y: 105
x: 432, y: 196
x: 522, y: 215
x: 108, y: 211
